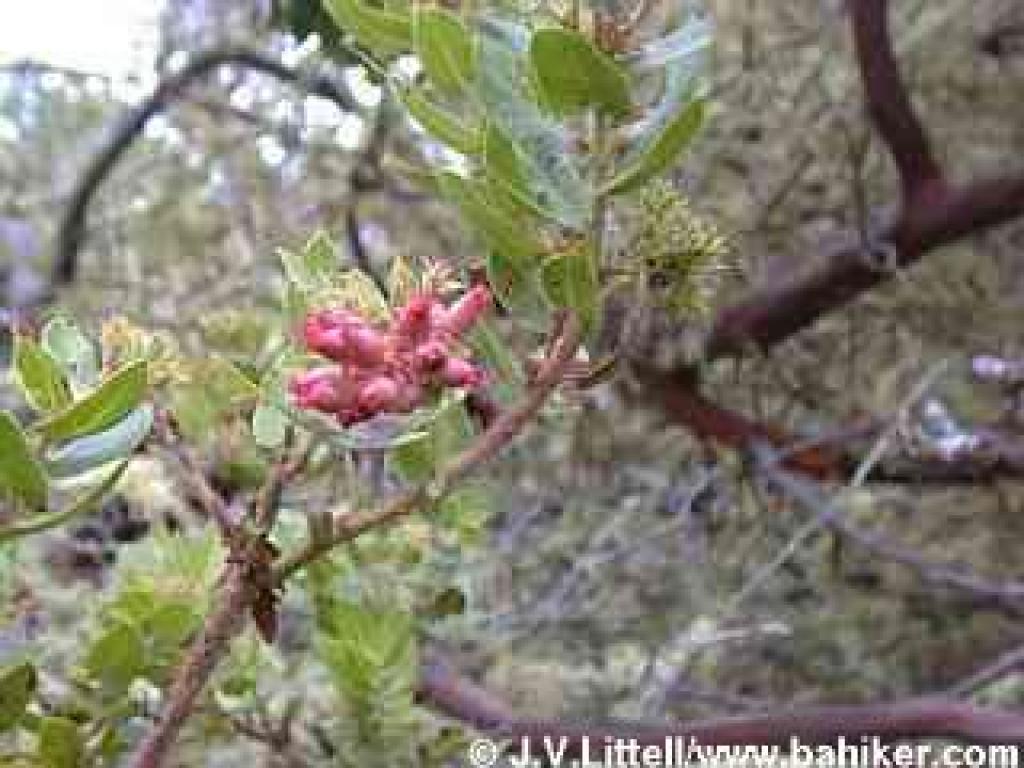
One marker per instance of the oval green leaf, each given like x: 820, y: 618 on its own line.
x: 17, y: 684
x: 60, y: 743
x: 573, y: 75
x: 116, y: 657
x: 571, y: 281
x: 39, y: 376
x: 663, y: 149
x: 519, y: 289
x: 445, y: 48
x: 383, y: 32
x: 103, y: 407
x: 20, y: 473
x: 269, y: 426
x: 440, y: 124
x: 72, y: 349
x: 91, y: 451
x: 497, y: 222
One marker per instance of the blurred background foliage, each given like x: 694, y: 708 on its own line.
x: 621, y: 569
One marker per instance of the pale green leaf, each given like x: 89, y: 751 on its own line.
x: 60, y: 743
x: 446, y: 435
x: 73, y: 350
x: 385, y: 32
x: 39, y: 377
x: 660, y: 154
x: 116, y: 657
x: 269, y: 426
x: 555, y: 186
x: 519, y: 288
x: 107, y: 404
x: 573, y: 75
x: 498, y: 223
x: 687, y: 44
x: 117, y: 442
x: 441, y: 124
x: 20, y: 473
x: 314, y: 267
x: 17, y: 684
x: 571, y: 281
x: 445, y: 48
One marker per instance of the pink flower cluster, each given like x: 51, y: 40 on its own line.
x: 388, y: 369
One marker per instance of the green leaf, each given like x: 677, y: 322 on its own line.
x: 505, y: 165
x: 573, y: 75
x: 73, y: 350
x: 106, y: 405
x: 494, y: 351
x: 445, y: 48
x: 20, y: 473
x: 313, y: 268
x: 555, y: 186
x: 515, y: 174
x: 117, y: 442
x: 449, y: 432
x: 571, y: 281
x: 499, y: 224
x: 39, y: 376
x: 384, y: 32
x: 466, y: 511
x: 663, y: 150
x: 60, y: 743
x: 269, y: 426
x: 169, y: 625
x: 117, y: 657
x: 17, y: 684
x: 519, y: 289
x: 85, y: 503
x: 440, y: 124
x: 369, y: 651
x: 501, y: 156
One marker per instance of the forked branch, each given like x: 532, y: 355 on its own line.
x: 931, y: 214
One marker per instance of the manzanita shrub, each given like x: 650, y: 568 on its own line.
x: 554, y: 125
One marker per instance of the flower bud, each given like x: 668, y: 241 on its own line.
x: 461, y: 373
x: 369, y: 347
x: 345, y: 337
x: 410, y: 396
x: 378, y: 394
x: 412, y: 322
x: 467, y: 310
x: 430, y: 357
x: 322, y: 389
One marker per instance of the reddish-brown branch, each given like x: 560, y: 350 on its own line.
x: 834, y: 456
x: 887, y: 99
x: 678, y: 397
x: 773, y: 313
x: 932, y: 214
x: 445, y: 691
x: 190, y: 678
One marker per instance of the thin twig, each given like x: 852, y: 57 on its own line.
x: 1008, y: 663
